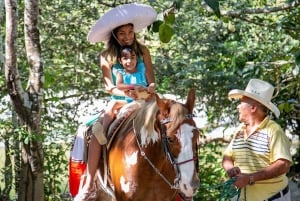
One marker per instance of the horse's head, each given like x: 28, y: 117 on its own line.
x: 180, y: 143
x: 145, y: 170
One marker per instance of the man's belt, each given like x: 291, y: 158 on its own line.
x: 279, y: 194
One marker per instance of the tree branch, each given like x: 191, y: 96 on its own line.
x: 14, y: 86
x: 265, y: 10
x: 247, y: 19
x: 112, y: 4
x: 242, y: 14
x: 275, y: 63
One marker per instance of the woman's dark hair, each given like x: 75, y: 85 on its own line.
x: 113, y: 46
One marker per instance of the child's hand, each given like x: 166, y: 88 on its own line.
x: 131, y: 93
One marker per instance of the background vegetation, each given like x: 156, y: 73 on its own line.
x: 213, y: 46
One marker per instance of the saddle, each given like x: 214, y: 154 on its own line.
x: 103, y: 174
x: 80, y: 144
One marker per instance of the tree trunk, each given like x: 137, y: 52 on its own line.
x: 28, y: 103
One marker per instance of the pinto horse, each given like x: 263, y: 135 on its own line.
x: 154, y: 154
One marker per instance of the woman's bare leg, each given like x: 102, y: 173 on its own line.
x: 92, y: 162
x: 88, y: 191
x: 110, y: 113
x: 108, y: 118
x: 98, y: 138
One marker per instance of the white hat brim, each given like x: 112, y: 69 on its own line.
x: 238, y: 94
x: 140, y: 15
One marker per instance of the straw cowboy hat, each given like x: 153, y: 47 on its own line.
x: 258, y: 90
x: 140, y: 15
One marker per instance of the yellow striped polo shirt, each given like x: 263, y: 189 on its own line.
x: 255, y: 152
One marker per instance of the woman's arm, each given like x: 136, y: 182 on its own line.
x: 107, y: 78
x: 148, y: 64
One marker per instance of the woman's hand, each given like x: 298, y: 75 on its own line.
x: 151, y: 88
x: 138, y: 92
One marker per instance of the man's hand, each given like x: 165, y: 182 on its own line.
x: 242, y: 180
x: 233, y: 172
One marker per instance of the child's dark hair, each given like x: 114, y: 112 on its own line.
x: 125, y: 50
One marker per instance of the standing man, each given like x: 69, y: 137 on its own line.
x: 259, y: 153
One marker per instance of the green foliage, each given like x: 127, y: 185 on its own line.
x: 7, y: 182
x: 55, y: 170
x: 169, y: 18
x: 178, y: 4
x: 165, y: 32
x: 190, y: 47
x: 216, y: 55
x: 214, y: 5
x: 297, y: 59
x: 211, y: 172
x: 65, y: 49
x: 26, y: 136
x: 156, y: 25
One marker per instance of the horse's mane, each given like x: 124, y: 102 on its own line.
x: 143, y: 119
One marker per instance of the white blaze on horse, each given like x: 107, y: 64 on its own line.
x: 153, y: 155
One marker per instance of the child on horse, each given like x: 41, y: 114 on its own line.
x: 131, y: 77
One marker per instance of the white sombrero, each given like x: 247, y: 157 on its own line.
x: 140, y: 15
x: 258, y: 90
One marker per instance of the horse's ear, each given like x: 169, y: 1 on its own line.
x: 161, y: 104
x: 190, y: 101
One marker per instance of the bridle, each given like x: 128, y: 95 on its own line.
x: 169, y: 155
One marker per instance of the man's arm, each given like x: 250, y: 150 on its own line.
x: 279, y: 167
x: 228, y: 166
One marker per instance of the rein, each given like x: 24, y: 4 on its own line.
x: 169, y: 155
x: 166, y: 144
x: 175, y: 186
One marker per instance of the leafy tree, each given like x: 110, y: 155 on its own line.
x: 27, y: 103
x: 210, y: 45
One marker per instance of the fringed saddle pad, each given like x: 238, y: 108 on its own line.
x: 116, y: 124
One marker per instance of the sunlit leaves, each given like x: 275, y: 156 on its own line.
x: 178, y: 4
x: 169, y: 18
x: 189, y: 47
x: 165, y: 32
x: 214, y: 5
x: 155, y: 26
x: 297, y: 59
x: 164, y: 26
